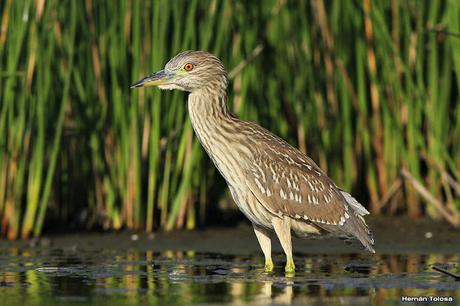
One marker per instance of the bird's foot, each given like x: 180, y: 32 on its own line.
x: 268, y: 265
x: 290, y: 266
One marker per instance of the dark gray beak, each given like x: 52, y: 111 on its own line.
x: 161, y: 77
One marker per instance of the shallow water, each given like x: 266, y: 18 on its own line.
x: 57, y: 275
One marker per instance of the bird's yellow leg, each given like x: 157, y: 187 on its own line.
x: 282, y: 228
x: 290, y: 266
x: 263, y: 236
x: 268, y: 265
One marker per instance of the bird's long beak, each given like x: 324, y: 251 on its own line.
x: 161, y: 77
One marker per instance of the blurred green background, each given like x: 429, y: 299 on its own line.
x: 369, y: 89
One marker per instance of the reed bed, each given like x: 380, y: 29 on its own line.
x: 370, y: 89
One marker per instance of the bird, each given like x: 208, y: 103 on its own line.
x: 276, y: 186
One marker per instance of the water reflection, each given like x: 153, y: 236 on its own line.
x: 138, y: 277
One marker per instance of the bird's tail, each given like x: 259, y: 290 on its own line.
x: 356, y: 225
x: 353, y: 203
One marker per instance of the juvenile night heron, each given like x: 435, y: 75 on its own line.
x: 275, y: 185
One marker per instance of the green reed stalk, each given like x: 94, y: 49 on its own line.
x: 59, y: 124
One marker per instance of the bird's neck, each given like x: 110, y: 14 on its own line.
x: 219, y: 132
x: 211, y: 121
x: 208, y: 105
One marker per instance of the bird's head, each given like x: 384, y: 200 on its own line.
x: 189, y: 71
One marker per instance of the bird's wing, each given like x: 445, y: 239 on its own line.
x: 287, y: 182
x: 299, y: 191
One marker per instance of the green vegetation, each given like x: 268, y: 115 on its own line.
x: 367, y: 88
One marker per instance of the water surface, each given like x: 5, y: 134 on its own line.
x: 66, y: 271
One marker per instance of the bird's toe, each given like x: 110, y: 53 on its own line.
x: 290, y: 266
x: 268, y: 265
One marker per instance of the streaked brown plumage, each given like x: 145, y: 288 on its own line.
x: 275, y: 185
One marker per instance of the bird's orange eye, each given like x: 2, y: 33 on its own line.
x: 188, y: 67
